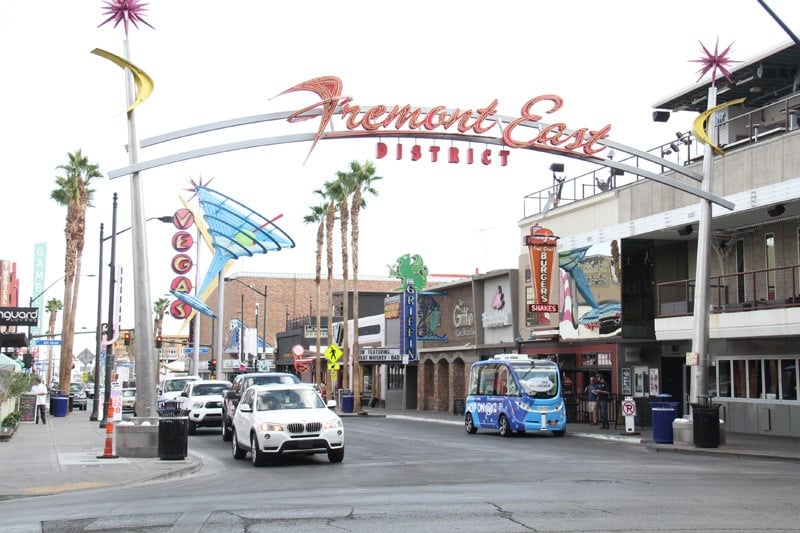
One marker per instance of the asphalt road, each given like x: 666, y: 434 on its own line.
x: 403, y: 475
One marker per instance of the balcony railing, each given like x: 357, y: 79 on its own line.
x: 743, y: 291
x: 748, y: 128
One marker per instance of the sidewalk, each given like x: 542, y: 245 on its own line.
x: 62, y: 455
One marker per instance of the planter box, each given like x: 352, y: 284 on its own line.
x: 6, y: 432
x: 132, y: 440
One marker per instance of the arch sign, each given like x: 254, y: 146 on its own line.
x: 340, y: 117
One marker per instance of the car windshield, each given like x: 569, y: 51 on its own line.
x: 175, y: 385
x: 213, y: 388
x: 274, y: 400
x: 75, y: 387
x: 129, y: 392
x: 537, y: 381
x: 272, y: 380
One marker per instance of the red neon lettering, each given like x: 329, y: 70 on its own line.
x: 452, y: 155
x: 470, y: 156
x: 183, y: 219
x: 380, y: 150
x: 486, y: 157
x: 182, y: 241
x: 181, y: 284
x: 181, y: 264
x: 416, y: 152
x: 399, y: 152
x: 434, y: 150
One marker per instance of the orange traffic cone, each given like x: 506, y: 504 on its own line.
x: 108, y: 452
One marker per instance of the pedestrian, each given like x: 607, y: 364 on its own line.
x: 591, y: 399
x: 603, y: 396
x: 41, y: 400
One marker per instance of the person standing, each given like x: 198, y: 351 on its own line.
x: 41, y: 400
x: 603, y: 396
x: 591, y: 399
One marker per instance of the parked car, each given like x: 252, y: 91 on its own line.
x: 274, y: 420
x: 240, y: 383
x: 171, y: 388
x: 202, y: 402
x: 89, y: 386
x: 78, y: 393
x: 128, y: 400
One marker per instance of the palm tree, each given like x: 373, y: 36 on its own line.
x: 160, y: 309
x: 53, y: 307
x: 337, y: 192
x: 360, y: 180
x: 317, y: 216
x: 73, y: 192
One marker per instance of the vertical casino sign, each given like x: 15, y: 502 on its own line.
x: 541, y: 245
x: 182, y: 263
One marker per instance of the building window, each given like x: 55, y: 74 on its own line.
x: 769, y: 255
x: 394, y: 379
x: 769, y: 378
x: 531, y: 318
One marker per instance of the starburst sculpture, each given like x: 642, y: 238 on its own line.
x: 196, y: 184
x: 125, y: 11
x: 716, y: 61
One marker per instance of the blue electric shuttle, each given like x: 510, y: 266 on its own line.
x: 512, y: 392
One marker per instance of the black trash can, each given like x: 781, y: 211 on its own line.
x: 173, y: 433
x: 71, y: 401
x: 663, y: 415
x: 705, y: 422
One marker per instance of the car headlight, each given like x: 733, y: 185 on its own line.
x: 524, y: 406
x: 332, y: 424
x: 197, y: 405
x: 270, y: 426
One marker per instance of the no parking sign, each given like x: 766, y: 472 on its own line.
x: 629, y: 410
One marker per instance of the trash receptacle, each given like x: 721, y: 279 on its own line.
x: 705, y: 423
x: 347, y: 401
x: 663, y: 415
x: 60, y: 405
x: 173, y: 433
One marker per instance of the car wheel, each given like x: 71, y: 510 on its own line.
x: 503, y: 426
x: 238, y: 452
x: 256, y: 455
x: 469, y: 424
x: 192, y: 428
x: 336, y: 456
x: 226, y: 432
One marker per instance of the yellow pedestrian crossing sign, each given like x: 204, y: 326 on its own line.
x: 333, y: 353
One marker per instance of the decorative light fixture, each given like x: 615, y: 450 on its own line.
x: 685, y: 231
x: 557, y: 167
x: 776, y: 210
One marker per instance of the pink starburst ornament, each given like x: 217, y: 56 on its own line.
x: 716, y: 61
x: 125, y: 11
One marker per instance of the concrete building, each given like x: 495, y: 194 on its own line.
x: 627, y: 308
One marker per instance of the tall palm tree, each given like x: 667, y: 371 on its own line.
x: 360, y: 180
x: 160, y: 307
x: 337, y: 191
x: 73, y: 192
x: 53, y: 306
x: 317, y: 216
x: 330, y: 221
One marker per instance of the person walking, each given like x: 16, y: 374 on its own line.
x: 603, y: 396
x: 591, y: 399
x: 41, y: 400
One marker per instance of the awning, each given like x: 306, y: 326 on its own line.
x: 13, y: 340
x: 8, y: 365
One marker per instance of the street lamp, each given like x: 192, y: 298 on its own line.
x: 264, y: 294
x: 96, y: 415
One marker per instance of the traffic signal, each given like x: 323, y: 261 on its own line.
x: 212, y: 365
x: 159, y: 341
x: 127, y: 339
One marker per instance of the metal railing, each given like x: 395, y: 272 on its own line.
x: 743, y: 291
x: 748, y: 128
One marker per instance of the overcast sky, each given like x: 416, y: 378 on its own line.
x: 211, y: 61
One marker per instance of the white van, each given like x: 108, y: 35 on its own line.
x: 171, y: 387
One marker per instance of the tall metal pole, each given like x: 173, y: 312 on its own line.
x: 98, y: 333
x: 196, y: 319
x: 265, y: 321
x: 145, y: 357
x: 699, y: 377
x: 241, y: 332
x: 256, y: 332
x: 220, y: 320
x: 110, y: 324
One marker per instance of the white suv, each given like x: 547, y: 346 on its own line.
x: 274, y: 420
x: 171, y: 388
x: 202, y: 402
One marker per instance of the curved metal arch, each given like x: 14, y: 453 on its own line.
x: 347, y: 134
